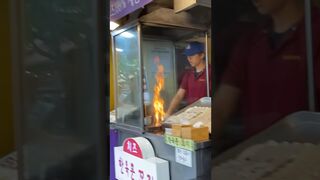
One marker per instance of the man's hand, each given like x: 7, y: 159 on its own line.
x: 166, y: 116
x: 175, y: 102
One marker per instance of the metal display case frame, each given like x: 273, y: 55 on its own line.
x: 138, y: 25
x: 201, y: 156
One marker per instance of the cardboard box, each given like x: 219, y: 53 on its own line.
x: 196, y: 134
x: 177, y: 129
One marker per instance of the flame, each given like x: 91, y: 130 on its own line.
x: 157, y: 100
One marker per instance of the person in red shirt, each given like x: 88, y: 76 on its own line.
x: 266, y: 79
x: 194, y: 84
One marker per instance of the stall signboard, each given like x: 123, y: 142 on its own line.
x: 135, y: 160
x: 187, y: 144
x: 183, y: 157
x: 120, y: 8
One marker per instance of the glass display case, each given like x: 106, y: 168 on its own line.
x: 164, y: 50
x: 135, y: 88
x: 128, y: 78
x: 139, y: 51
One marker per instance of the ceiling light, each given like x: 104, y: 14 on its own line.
x: 119, y: 50
x: 113, y: 25
x: 127, y: 35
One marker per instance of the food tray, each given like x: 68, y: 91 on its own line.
x: 203, y: 102
x: 301, y: 127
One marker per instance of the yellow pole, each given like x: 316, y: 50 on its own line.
x: 6, y: 120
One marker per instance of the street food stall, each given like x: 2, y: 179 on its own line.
x: 148, y: 63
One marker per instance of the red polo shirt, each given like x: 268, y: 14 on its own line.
x: 196, y: 87
x: 273, y: 81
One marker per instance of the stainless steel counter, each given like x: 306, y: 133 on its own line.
x: 201, y: 157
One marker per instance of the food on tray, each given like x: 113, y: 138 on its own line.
x: 192, y: 116
x: 200, y: 133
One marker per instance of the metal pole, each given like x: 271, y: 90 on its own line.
x: 207, y: 66
x: 141, y: 76
x: 309, y: 48
x: 17, y: 69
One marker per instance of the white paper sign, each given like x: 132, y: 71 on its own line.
x: 130, y: 167
x: 184, y: 157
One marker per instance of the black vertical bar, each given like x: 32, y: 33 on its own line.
x: 99, y: 24
x: 102, y: 56
x: 16, y: 71
x: 309, y: 48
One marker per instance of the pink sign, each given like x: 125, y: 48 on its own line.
x: 135, y: 160
x: 132, y: 147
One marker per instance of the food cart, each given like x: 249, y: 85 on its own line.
x: 142, y: 49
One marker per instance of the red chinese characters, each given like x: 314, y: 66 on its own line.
x: 121, y: 165
x: 141, y: 174
x: 127, y: 168
x: 131, y: 146
x: 130, y: 171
